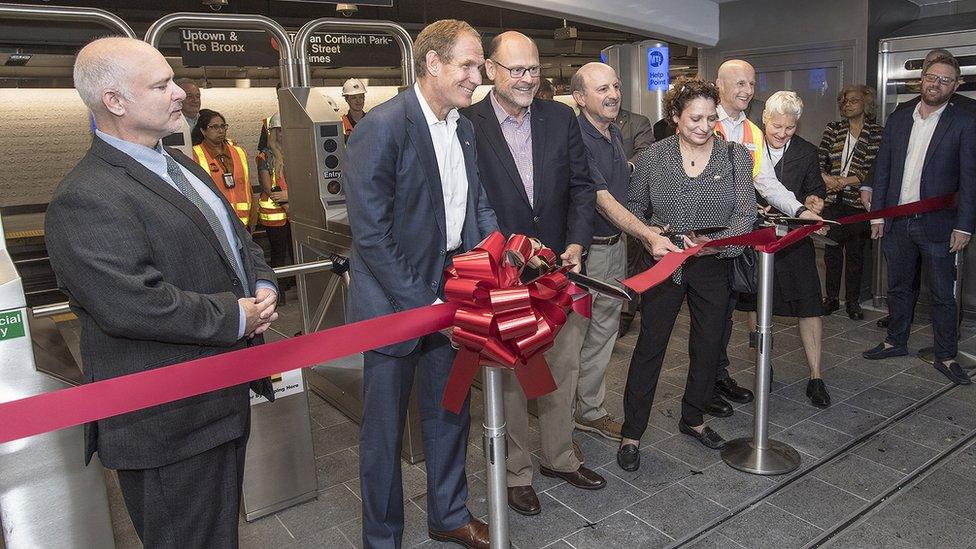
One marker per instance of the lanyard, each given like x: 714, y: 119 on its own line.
x: 770, y: 156
x: 849, y: 145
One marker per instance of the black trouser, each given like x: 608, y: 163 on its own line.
x: 635, y: 264
x: 705, y: 282
x: 850, y: 245
x: 279, y: 239
x: 193, y: 503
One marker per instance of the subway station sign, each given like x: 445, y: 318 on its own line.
x: 658, y: 69
x: 248, y: 48
x: 11, y: 324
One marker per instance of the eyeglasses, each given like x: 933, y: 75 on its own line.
x: 933, y: 78
x: 218, y: 126
x: 519, y: 72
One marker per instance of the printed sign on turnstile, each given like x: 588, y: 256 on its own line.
x: 287, y: 383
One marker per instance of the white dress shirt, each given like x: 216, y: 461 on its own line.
x: 918, y: 144
x: 450, y: 164
x: 766, y: 182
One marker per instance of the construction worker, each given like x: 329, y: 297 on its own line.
x: 224, y: 161
x: 354, y: 92
x: 273, y: 201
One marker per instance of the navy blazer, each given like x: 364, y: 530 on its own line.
x: 950, y: 166
x: 564, y: 200
x: 396, y: 212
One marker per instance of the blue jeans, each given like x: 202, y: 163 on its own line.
x: 904, y: 244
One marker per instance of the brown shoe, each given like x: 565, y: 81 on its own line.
x: 580, y: 478
x: 606, y: 427
x: 473, y: 535
x: 522, y: 500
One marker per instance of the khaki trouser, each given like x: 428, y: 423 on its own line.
x: 555, y: 410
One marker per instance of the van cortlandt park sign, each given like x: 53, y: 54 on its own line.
x: 247, y: 48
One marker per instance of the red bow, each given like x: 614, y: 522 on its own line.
x: 499, y: 320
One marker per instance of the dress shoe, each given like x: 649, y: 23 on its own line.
x: 473, y: 535
x: 628, y: 457
x: 718, y: 407
x: 730, y: 390
x: 580, y: 478
x: 854, y: 311
x: 882, y: 322
x: 522, y: 500
x: 953, y: 371
x: 817, y: 393
x: 830, y: 304
x: 881, y: 351
x: 708, y: 437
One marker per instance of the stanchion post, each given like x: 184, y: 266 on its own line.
x: 964, y: 359
x: 759, y: 454
x: 495, y: 454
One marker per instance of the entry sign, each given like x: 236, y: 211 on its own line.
x: 658, y: 69
x: 11, y: 324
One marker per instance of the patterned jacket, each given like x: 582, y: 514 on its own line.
x: 865, y: 151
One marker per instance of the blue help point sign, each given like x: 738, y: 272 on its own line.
x: 658, y: 75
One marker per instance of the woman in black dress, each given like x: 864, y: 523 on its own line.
x: 691, y: 180
x: 796, y: 281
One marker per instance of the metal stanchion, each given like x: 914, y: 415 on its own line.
x: 964, y: 359
x: 759, y: 454
x: 495, y: 454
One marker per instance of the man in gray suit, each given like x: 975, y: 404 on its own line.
x: 415, y: 200
x: 159, y: 271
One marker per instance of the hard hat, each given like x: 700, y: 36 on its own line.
x: 353, y: 86
x: 275, y: 121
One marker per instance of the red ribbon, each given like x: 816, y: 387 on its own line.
x: 922, y: 206
x: 500, y: 321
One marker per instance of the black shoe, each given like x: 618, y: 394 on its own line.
x: 830, y: 304
x: 718, y: 408
x: 730, y: 390
x: 854, y: 311
x: 879, y: 352
x: 817, y: 393
x: 708, y: 437
x: 626, y: 319
x: 953, y: 371
x: 628, y: 457
x: 882, y: 322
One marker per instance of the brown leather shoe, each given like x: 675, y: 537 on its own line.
x: 522, y: 500
x: 473, y: 535
x: 580, y: 478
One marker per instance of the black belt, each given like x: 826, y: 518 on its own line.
x: 606, y: 240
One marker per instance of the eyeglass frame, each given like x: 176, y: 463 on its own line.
x: 942, y: 80
x: 511, y: 70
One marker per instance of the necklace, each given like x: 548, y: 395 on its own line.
x: 689, y: 156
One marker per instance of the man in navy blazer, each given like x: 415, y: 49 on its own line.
x: 926, y: 152
x: 414, y: 200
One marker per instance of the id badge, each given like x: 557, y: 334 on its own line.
x: 229, y: 180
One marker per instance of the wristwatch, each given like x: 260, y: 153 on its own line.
x: 800, y: 210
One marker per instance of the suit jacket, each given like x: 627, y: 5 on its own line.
x: 564, y: 200
x: 637, y: 132
x: 799, y: 170
x: 949, y: 166
x: 396, y: 212
x: 147, y: 278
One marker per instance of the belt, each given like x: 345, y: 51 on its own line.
x: 606, y: 240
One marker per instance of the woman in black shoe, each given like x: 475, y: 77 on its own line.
x: 796, y: 281
x: 847, y: 152
x: 689, y: 181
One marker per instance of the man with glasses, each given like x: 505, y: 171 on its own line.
x: 926, y: 152
x: 533, y: 167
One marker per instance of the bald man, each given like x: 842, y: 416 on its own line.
x: 736, y: 83
x: 159, y: 271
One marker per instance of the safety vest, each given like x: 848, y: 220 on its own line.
x: 270, y: 213
x: 752, y: 140
x: 239, y: 196
x: 346, y: 124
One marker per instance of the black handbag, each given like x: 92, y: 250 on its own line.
x: 744, y: 273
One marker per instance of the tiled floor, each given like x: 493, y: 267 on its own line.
x: 685, y: 492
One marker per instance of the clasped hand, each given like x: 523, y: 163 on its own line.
x: 259, y: 311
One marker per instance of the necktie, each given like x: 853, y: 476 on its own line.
x: 185, y: 187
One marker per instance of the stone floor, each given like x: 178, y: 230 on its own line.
x: 683, y: 494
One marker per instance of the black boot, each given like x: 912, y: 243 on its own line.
x: 854, y: 310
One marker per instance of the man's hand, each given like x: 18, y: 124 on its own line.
x: 877, y: 229
x: 279, y: 196
x: 958, y: 241
x: 573, y: 256
x: 810, y: 215
x: 658, y: 245
x: 259, y: 311
x: 814, y: 204
x: 866, y: 200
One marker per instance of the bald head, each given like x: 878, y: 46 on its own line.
x: 596, y: 89
x: 736, y: 83
x: 512, y: 64
x: 108, y: 64
x: 509, y: 41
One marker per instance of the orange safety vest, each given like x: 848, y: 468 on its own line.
x: 346, y: 124
x: 752, y: 139
x: 239, y: 196
x: 270, y: 213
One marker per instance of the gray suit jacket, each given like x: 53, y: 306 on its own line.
x: 145, y: 274
x: 396, y: 212
x: 637, y: 132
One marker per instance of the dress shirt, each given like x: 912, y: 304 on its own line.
x: 518, y: 136
x: 918, y: 144
x: 154, y: 160
x: 766, y: 182
x: 609, y: 168
x: 450, y: 165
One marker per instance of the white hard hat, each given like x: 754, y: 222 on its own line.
x: 353, y: 86
x: 275, y: 121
